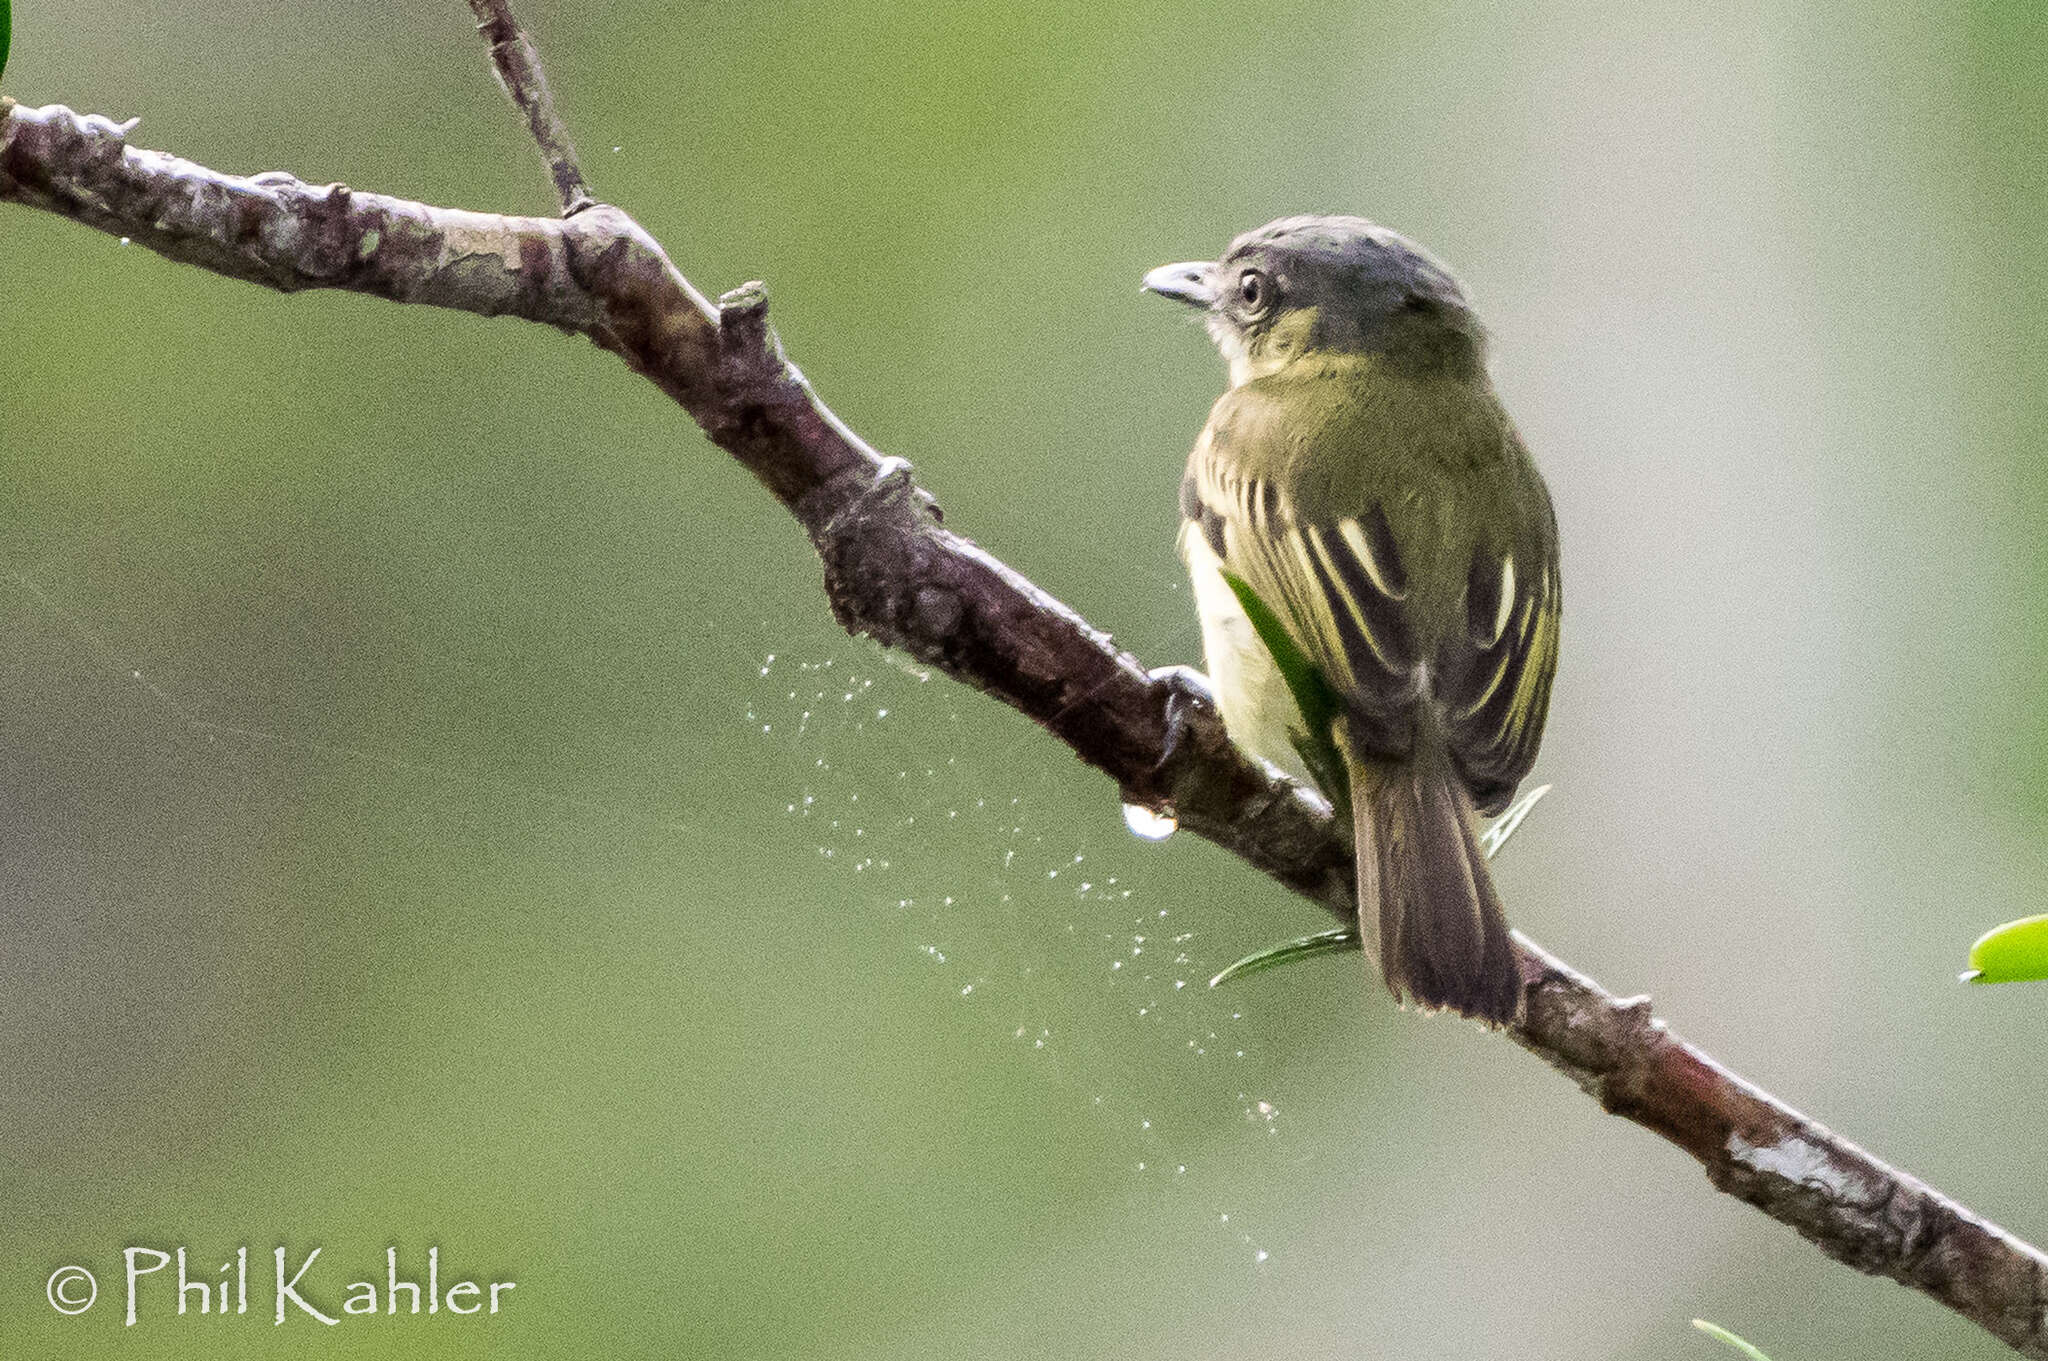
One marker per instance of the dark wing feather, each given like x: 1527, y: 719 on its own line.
x: 1494, y: 677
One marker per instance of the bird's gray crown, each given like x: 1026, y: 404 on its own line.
x: 1346, y: 257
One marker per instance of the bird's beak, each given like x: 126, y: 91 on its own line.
x: 1186, y: 282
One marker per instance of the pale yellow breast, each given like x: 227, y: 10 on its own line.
x: 1258, y: 709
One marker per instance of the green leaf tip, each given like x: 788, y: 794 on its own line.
x: 6, y: 31
x: 1321, y: 943
x: 1496, y: 836
x: 2016, y: 952
x: 1720, y: 1334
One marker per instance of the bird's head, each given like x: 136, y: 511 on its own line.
x: 1315, y: 287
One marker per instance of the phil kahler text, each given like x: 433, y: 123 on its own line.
x: 302, y: 1288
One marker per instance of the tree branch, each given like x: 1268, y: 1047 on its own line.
x: 894, y: 572
x: 519, y: 72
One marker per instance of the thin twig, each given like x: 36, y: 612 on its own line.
x: 520, y: 75
x: 895, y: 573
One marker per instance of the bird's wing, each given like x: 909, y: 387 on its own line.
x: 1492, y: 681
x: 1339, y: 585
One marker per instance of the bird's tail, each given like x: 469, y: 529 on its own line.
x: 1443, y: 939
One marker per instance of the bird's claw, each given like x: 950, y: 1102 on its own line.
x: 1188, y: 693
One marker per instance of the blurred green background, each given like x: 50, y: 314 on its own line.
x: 436, y: 807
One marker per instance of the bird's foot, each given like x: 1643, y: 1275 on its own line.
x: 1188, y: 693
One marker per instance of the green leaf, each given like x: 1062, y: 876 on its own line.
x: 1346, y: 937
x: 6, y: 31
x: 1312, y: 695
x: 1321, y: 943
x: 1496, y: 836
x: 2016, y: 952
x: 1720, y: 1334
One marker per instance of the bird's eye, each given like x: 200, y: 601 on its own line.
x: 1253, y: 289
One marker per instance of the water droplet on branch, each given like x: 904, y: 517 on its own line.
x: 1149, y: 824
